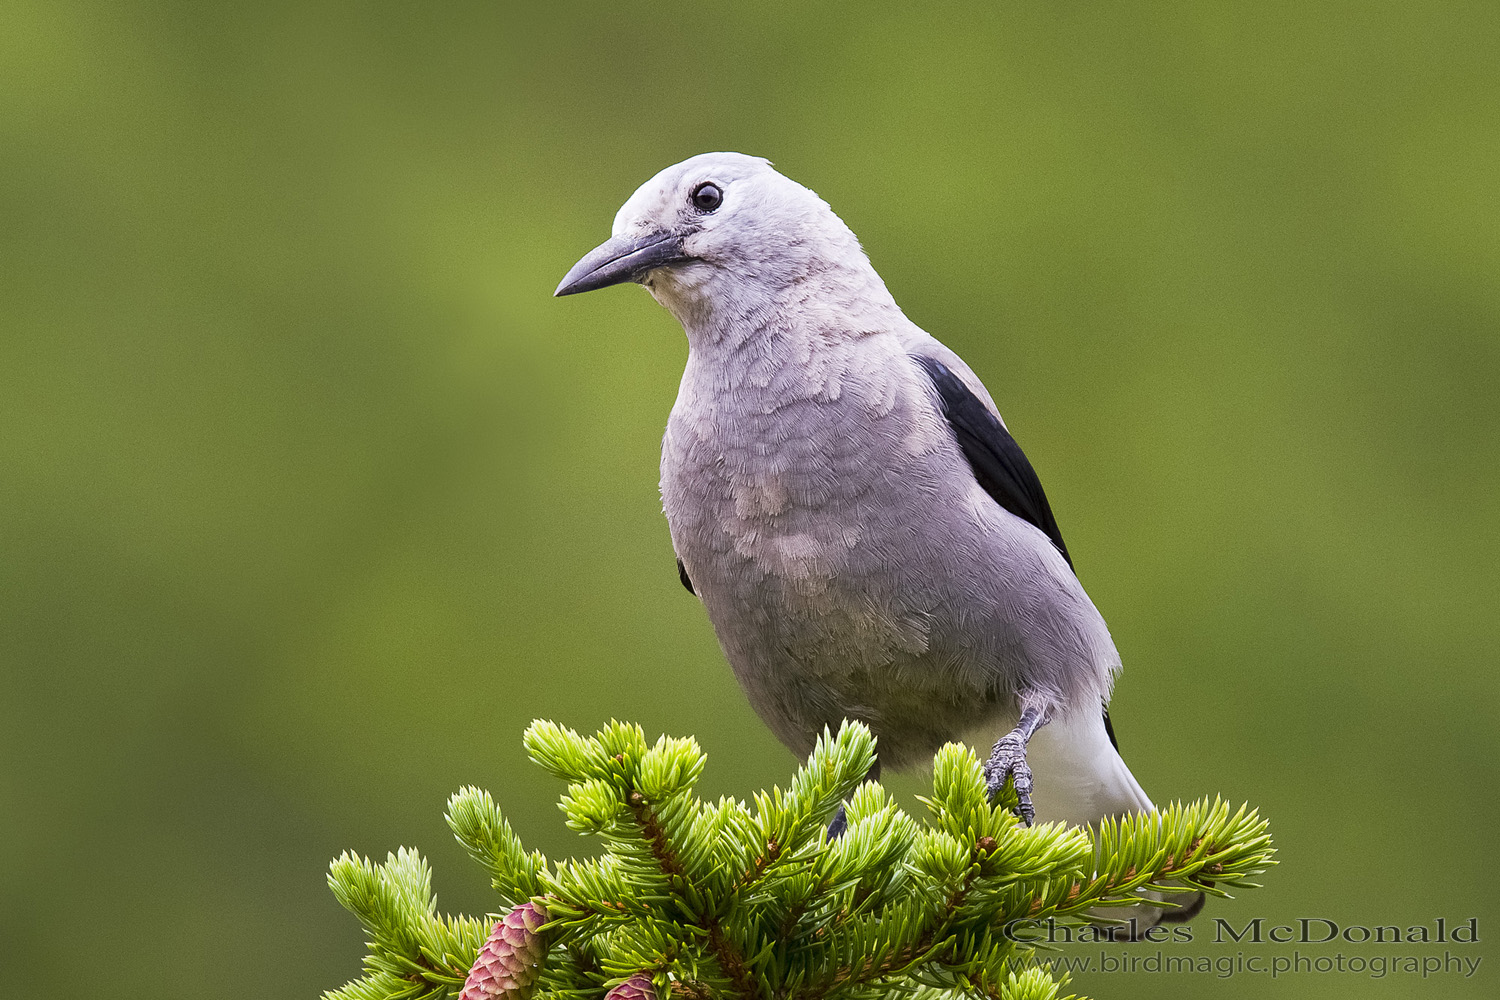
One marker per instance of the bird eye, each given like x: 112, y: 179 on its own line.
x: 707, y: 197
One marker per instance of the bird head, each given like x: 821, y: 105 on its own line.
x: 717, y: 231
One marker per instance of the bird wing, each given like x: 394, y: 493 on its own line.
x: 998, y: 462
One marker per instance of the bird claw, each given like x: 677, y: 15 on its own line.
x: 839, y: 824
x: 1008, y: 760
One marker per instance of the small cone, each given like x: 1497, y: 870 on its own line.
x: 637, y: 987
x: 508, y: 963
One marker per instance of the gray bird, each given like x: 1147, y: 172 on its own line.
x: 868, y: 539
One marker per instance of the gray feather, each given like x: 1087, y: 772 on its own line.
x: 826, y: 512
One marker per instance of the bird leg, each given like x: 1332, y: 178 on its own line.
x: 1008, y: 760
x: 841, y: 818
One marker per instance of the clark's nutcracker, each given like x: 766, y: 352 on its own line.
x: 868, y: 539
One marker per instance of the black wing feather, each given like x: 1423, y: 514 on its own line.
x: 686, y: 582
x: 998, y: 462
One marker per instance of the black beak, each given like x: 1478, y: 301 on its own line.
x: 621, y: 259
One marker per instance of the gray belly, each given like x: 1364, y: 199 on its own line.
x: 852, y: 567
x: 841, y: 572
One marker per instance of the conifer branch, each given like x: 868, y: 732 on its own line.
x: 729, y: 901
x: 730, y: 960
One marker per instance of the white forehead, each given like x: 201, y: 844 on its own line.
x: 660, y: 197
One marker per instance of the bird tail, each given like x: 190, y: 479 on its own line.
x: 1081, y: 778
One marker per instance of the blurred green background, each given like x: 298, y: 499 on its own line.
x: 313, y: 497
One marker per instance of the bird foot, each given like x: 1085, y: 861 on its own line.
x: 1008, y: 760
x: 839, y: 825
x: 840, y: 821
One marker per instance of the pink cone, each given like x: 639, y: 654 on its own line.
x: 510, y: 960
x: 637, y: 987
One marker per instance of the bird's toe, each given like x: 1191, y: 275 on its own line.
x: 1008, y: 761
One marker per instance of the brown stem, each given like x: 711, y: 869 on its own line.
x: 759, y: 865
x: 724, y: 951
x: 691, y: 989
x: 870, y: 971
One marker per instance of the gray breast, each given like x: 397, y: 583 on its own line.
x: 850, y: 564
